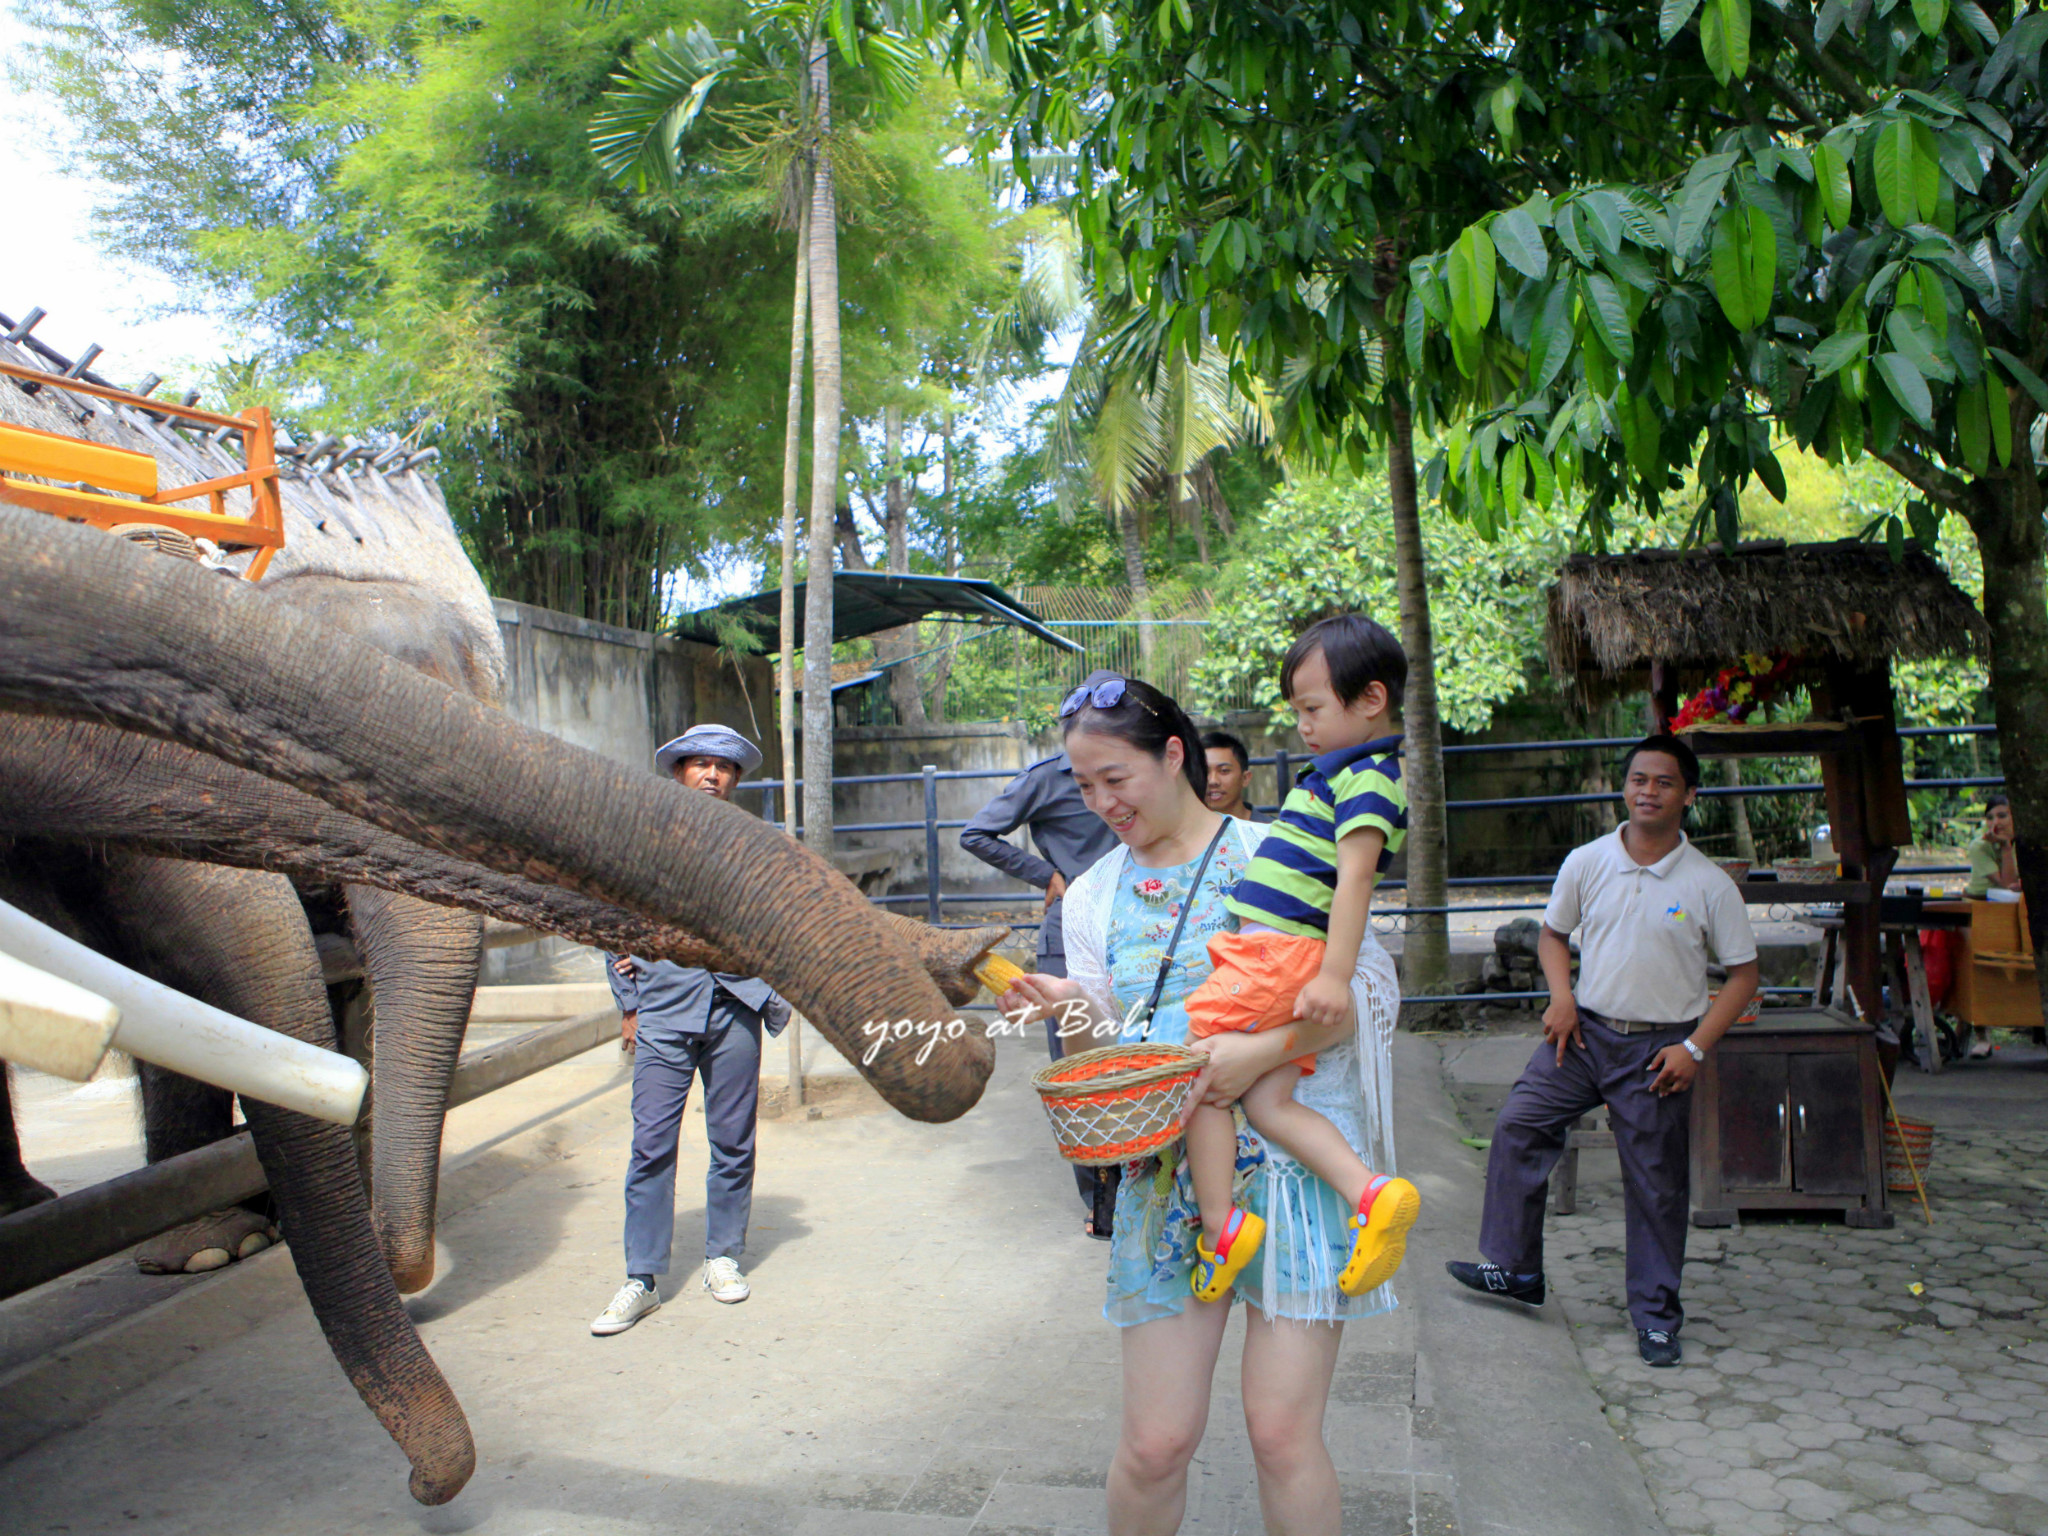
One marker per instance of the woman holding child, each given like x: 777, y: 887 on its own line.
x: 1306, y: 1235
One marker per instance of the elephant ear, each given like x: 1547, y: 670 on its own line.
x: 212, y: 665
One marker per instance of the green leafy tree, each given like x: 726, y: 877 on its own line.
x: 1325, y: 545
x: 408, y: 219
x: 1862, y: 264
x: 1260, y: 175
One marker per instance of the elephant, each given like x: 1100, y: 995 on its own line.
x: 378, y: 772
x: 373, y: 555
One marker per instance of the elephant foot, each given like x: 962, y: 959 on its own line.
x: 214, y: 1241
x: 19, y: 1190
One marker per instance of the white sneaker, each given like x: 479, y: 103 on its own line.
x: 722, y: 1278
x: 633, y: 1302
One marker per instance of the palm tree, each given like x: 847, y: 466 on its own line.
x: 1128, y: 431
x: 638, y: 138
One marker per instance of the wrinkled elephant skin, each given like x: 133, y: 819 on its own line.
x: 206, y: 663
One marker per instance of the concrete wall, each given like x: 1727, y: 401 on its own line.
x: 622, y: 693
x: 1000, y: 747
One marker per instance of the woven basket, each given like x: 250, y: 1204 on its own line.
x: 1118, y: 1102
x: 1898, y: 1177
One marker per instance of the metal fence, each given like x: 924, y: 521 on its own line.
x: 934, y: 900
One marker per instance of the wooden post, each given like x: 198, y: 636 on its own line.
x: 1663, y: 695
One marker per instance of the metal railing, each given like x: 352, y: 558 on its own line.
x: 934, y: 899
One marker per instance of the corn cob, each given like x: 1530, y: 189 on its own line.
x: 996, y: 973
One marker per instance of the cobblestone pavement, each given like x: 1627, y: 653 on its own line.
x: 1883, y: 1382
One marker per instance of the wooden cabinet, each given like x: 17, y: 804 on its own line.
x: 1786, y: 1116
x: 1994, y: 985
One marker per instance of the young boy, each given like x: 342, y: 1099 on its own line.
x: 1302, y: 907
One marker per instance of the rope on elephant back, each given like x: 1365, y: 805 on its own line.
x: 171, y: 541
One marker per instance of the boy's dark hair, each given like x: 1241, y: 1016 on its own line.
x: 1993, y: 802
x: 1670, y: 746
x: 1225, y: 739
x: 1148, y: 720
x: 1358, y: 653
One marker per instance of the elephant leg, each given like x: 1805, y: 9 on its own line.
x: 181, y: 1115
x: 240, y: 941
x: 19, y: 1189
x: 421, y: 961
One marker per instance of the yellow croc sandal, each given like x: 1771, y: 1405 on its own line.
x: 1214, y: 1273
x: 1384, y: 1216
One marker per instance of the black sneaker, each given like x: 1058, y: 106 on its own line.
x: 1659, y: 1346
x: 1492, y: 1280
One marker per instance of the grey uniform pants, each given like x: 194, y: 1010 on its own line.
x: 1651, y: 1134
x: 729, y: 1060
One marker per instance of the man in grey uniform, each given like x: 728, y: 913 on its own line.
x: 1069, y: 837
x: 685, y: 1022
x: 1650, y: 907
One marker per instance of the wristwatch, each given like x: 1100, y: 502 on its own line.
x: 1692, y: 1050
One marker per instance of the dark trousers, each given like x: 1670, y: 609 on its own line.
x: 1651, y: 1134
x: 1097, y: 1186
x: 728, y: 1058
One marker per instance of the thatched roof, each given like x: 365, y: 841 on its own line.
x: 1698, y: 610
x: 354, y: 511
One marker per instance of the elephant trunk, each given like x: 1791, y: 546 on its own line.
x: 240, y: 941
x: 421, y: 961
x: 214, y: 665
x: 76, y: 780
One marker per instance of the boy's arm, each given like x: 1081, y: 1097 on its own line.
x: 1327, y: 999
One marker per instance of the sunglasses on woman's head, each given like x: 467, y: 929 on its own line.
x: 1103, y: 696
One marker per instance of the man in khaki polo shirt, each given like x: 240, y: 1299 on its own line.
x: 1651, y: 910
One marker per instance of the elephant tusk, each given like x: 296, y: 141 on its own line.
x: 159, y: 1025
x: 51, y: 1025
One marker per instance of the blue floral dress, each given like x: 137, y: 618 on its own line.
x: 1308, y: 1234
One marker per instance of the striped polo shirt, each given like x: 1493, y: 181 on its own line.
x: 1293, y: 876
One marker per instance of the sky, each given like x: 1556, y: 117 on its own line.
x: 131, y: 312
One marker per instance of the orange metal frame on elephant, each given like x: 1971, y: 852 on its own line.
x: 25, y: 450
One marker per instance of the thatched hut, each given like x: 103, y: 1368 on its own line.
x: 1668, y: 621
x: 1845, y: 606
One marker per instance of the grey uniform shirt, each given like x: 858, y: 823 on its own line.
x: 1647, y: 930
x: 688, y: 1000
x: 1068, y: 835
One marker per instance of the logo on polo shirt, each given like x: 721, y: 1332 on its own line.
x: 1676, y: 913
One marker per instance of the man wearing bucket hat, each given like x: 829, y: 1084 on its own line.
x: 683, y: 1022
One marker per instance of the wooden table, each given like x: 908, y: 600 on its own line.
x: 1905, y: 965
x: 1787, y: 1116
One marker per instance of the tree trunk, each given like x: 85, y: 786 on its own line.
x: 825, y: 407
x: 1738, y: 812
x: 1178, y: 489
x: 1141, y: 591
x: 942, y: 664
x: 898, y: 645
x: 1426, y: 952
x: 2006, y: 517
x: 792, y: 468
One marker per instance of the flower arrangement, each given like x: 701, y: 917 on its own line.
x: 1738, y: 692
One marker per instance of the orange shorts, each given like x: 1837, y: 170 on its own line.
x: 1256, y: 979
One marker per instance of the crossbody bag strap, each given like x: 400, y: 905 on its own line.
x: 1173, y: 944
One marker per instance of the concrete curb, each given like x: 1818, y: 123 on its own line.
x: 1530, y: 1450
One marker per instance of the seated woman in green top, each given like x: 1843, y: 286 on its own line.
x: 1991, y: 856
